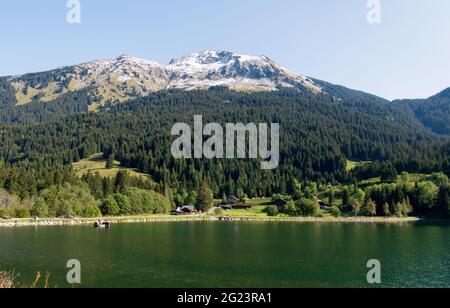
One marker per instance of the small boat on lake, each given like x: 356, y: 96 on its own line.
x: 101, y: 224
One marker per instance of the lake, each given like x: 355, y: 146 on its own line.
x: 221, y: 254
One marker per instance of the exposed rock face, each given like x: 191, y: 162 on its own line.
x: 119, y: 79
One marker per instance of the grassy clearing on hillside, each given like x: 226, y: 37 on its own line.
x: 260, y: 202
x: 258, y: 209
x: 354, y: 164
x: 96, y: 163
x: 255, y: 211
x: 46, y: 94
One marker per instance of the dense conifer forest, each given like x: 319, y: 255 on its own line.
x: 319, y: 135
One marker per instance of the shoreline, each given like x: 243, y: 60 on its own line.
x: 169, y: 219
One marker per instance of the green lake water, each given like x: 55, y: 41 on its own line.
x: 212, y: 254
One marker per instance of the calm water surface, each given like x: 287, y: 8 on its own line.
x: 233, y: 254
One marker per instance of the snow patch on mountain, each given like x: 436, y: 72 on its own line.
x: 236, y: 71
x: 124, y: 77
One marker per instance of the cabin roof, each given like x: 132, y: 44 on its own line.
x: 189, y: 207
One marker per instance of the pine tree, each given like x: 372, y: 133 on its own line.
x: 346, y: 197
x: 205, y: 200
x: 108, y: 187
x: 121, y: 181
x: 110, y: 162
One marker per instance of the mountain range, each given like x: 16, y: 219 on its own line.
x: 92, y: 85
x: 125, y: 77
x: 125, y: 107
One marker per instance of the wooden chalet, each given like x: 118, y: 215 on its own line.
x: 185, y: 210
x: 280, y: 203
x: 233, y: 200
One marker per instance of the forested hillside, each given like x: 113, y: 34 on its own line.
x: 433, y: 112
x: 39, y: 112
x: 319, y: 135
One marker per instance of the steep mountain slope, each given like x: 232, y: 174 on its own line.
x: 120, y: 79
x: 108, y: 80
x: 237, y: 72
x: 442, y: 95
x: 344, y: 93
x: 433, y: 112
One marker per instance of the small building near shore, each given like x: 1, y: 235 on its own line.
x: 233, y: 200
x: 280, y: 203
x: 323, y: 205
x: 185, y: 210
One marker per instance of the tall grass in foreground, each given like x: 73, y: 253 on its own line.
x: 8, y: 281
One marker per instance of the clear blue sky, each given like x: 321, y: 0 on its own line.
x: 407, y: 55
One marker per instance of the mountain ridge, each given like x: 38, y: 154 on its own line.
x: 93, y: 85
x: 442, y: 95
x: 122, y: 78
x: 432, y: 112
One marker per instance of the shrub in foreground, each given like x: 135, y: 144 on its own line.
x: 147, y: 202
x: 272, y: 211
x: 22, y: 212
x: 110, y: 207
x: 307, y: 207
x: 335, y: 211
x: 70, y: 199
